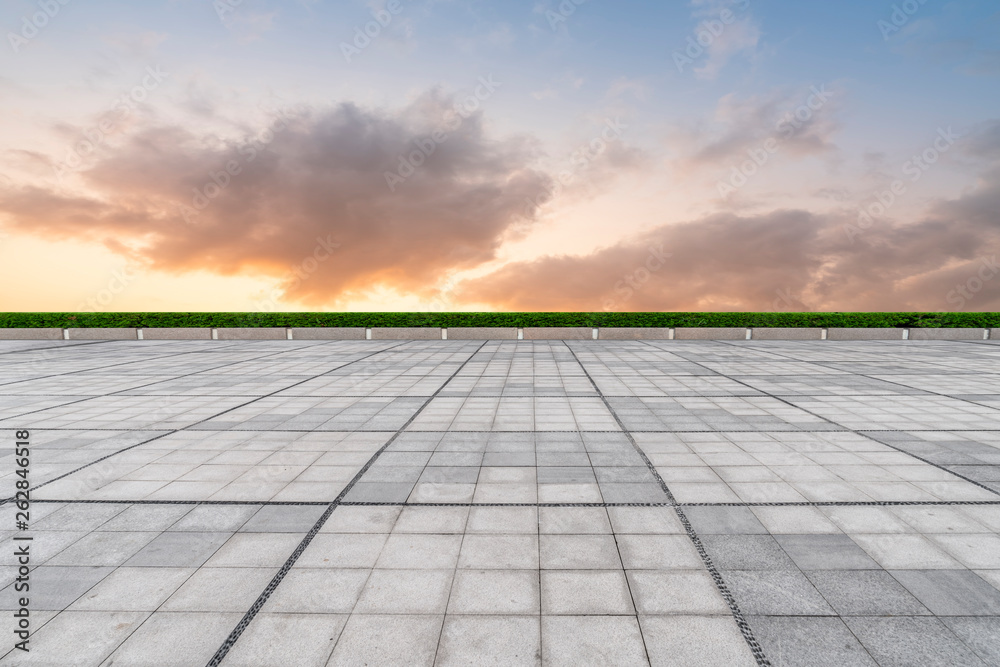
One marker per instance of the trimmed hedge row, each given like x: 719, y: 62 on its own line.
x: 448, y: 320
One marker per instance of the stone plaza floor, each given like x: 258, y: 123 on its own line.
x: 511, y: 503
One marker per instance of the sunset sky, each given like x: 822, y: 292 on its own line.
x: 171, y: 155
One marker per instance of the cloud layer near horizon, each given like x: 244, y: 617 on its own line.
x: 781, y: 260
x: 309, y: 181
x: 312, y: 204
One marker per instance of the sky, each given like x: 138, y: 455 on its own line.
x: 476, y: 155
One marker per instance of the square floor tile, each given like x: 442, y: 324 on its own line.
x: 582, y: 640
x: 688, y: 641
x: 904, y: 641
x: 387, y: 640
x: 500, y: 592
x: 585, y: 592
x: 294, y: 639
x: 687, y: 592
x: 490, y: 640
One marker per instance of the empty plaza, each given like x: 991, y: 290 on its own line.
x: 464, y: 502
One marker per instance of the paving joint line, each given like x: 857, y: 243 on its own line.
x: 237, y: 632
x: 720, y: 584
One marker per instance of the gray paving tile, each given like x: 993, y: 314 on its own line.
x: 503, y: 520
x: 585, y: 592
x: 147, y: 518
x: 53, y: 588
x: 402, y: 551
x: 405, y: 592
x: 803, y: 641
x: 133, y: 589
x: 579, y: 640
x: 705, y: 641
x: 388, y: 640
x: 724, y: 521
x: 495, y: 592
x: 100, y: 548
x: 255, y: 550
x: 775, y: 593
x: 220, y: 589
x: 318, y: 591
x: 489, y: 640
x: 573, y: 520
x: 746, y: 552
x: 177, y: 549
x: 691, y: 592
x: 982, y: 635
x: 951, y: 592
x: 78, y: 638
x: 175, y: 639
x: 658, y: 552
x: 499, y: 552
x: 826, y: 552
x: 865, y: 593
x: 895, y: 642
x: 582, y: 552
x: 295, y: 639
x: 379, y: 492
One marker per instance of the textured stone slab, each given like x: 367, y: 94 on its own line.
x: 406, y: 333
x: 482, y: 333
x: 177, y: 333
x: 31, y: 334
x: 103, y: 334
x: 946, y: 334
x: 787, y: 333
x: 328, y: 333
x: 864, y: 334
x: 634, y: 333
x: 710, y: 333
x: 253, y: 333
x: 558, y: 333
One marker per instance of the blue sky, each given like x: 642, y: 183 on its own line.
x: 893, y: 76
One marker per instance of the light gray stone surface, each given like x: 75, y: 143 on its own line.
x: 558, y: 333
x: 31, y: 334
x: 482, y: 333
x: 710, y: 333
x: 252, y: 333
x: 635, y: 333
x: 472, y: 500
x: 177, y: 333
x: 785, y: 333
x: 406, y: 333
x: 864, y: 334
x: 102, y: 334
x: 328, y: 333
x: 947, y: 334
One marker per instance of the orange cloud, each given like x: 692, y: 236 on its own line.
x: 314, y: 185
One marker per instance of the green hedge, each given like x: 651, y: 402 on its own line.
x: 155, y: 320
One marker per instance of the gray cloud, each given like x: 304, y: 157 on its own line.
x: 316, y: 175
x: 742, y: 124
x: 783, y: 260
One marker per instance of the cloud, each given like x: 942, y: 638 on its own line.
x: 802, y: 123
x: 741, y: 37
x: 781, y: 260
x: 723, y: 31
x: 319, y: 176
